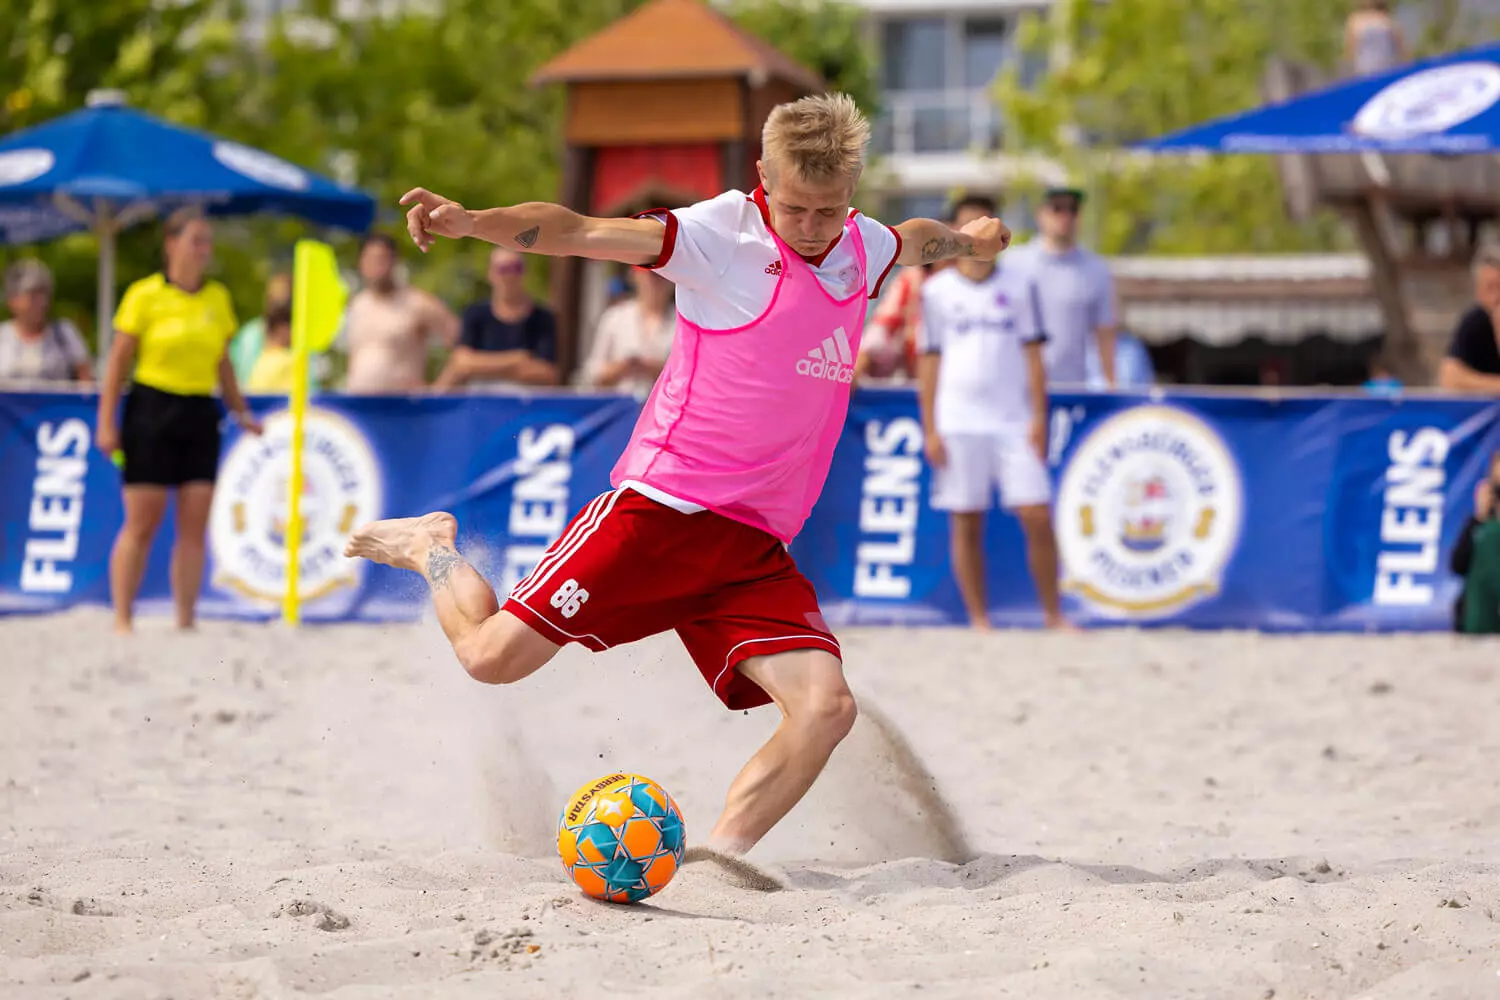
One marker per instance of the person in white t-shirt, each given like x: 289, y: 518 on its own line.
x: 982, y: 385
x: 633, y: 337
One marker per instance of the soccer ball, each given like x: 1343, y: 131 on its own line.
x: 621, y: 838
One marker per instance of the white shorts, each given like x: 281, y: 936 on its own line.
x: 978, y: 464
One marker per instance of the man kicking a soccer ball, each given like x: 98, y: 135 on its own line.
x: 727, y: 459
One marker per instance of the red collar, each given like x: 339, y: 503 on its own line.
x: 759, y: 197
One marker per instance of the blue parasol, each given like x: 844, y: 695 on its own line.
x: 107, y: 166
x: 1446, y: 105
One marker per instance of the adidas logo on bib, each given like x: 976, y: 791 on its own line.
x: 834, y: 360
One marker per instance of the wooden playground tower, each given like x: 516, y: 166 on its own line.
x: 1418, y: 219
x: 664, y: 107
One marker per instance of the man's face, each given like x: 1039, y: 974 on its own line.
x: 507, y: 272
x: 1487, y: 288
x: 1058, y: 219
x: 808, y: 217
x: 376, y: 263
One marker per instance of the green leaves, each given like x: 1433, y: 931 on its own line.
x: 1141, y: 68
x: 826, y: 36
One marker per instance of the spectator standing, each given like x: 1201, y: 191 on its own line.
x: 1476, y: 558
x: 389, y: 325
x: 1077, y: 291
x: 274, y: 370
x: 634, y: 337
x: 982, y: 388
x: 509, y: 338
x: 1373, y: 40
x: 1473, y: 361
x: 888, y: 349
x: 33, y: 346
x: 246, y: 346
x: 174, y: 328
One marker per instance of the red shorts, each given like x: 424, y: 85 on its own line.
x: 628, y: 567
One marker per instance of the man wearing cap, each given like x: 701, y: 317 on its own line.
x: 1076, y: 289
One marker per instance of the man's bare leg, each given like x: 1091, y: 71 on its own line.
x: 967, y: 550
x: 817, y: 712
x: 1041, y: 558
x: 494, y: 648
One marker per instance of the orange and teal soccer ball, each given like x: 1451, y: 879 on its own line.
x: 621, y: 838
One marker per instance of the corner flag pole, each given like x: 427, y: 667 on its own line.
x: 318, y: 298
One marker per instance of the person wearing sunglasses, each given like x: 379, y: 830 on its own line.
x: 507, y: 339
x: 1076, y: 289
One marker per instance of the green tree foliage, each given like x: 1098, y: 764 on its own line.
x: 58, y: 50
x: 1135, y: 69
x: 826, y: 36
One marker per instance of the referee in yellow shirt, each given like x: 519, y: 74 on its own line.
x: 176, y: 326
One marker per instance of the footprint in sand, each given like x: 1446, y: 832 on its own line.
x: 325, y: 918
x: 82, y: 907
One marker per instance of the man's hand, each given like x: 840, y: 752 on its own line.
x: 937, y: 455
x: 432, y: 215
x: 1484, y: 500
x: 991, y: 236
x: 457, y: 369
x: 924, y: 241
x: 1038, y: 438
x: 248, y: 423
x: 107, y: 437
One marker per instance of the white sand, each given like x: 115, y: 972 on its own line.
x: 251, y: 813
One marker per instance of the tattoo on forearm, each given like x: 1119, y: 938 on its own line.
x: 440, y: 566
x: 942, y: 247
x: 527, y: 240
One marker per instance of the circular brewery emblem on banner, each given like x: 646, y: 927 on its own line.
x: 248, y: 527
x: 1433, y: 100
x: 1148, y: 513
x: 22, y: 165
x: 260, y: 166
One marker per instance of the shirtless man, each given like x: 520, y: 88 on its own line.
x: 729, y: 454
x: 388, y: 325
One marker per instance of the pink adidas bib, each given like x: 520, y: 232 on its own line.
x: 744, y: 422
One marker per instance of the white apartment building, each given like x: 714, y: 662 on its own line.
x: 940, y: 129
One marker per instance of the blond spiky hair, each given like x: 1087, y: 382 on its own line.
x: 821, y: 138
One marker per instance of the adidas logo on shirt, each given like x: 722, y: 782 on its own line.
x: 774, y: 267
x: 833, y: 360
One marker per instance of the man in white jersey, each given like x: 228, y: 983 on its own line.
x: 982, y: 386
x: 727, y: 458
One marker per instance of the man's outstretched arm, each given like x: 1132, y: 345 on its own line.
x: 926, y: 241
x: 534, y: 227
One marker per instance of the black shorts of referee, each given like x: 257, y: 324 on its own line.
x: 168, y: 439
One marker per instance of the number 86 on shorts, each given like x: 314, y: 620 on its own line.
x: 569, y: 598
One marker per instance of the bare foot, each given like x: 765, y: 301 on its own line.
x: 124, y: 628
x: 737, y: 871
x: 1057, y: 623
x: 981, y: 625
x: 403, y: 542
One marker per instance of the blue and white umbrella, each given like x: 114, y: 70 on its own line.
x: 1446, y: 105
x: 106, y: 167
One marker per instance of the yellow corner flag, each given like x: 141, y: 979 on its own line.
x: 318, y: 298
